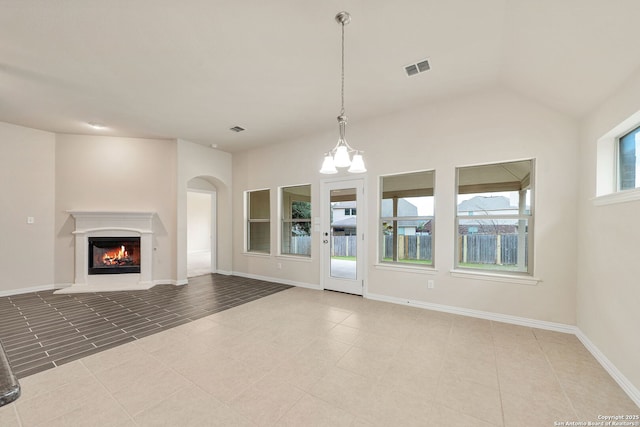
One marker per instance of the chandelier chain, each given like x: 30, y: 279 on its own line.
x: 342, y: 74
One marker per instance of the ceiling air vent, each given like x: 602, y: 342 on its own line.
x: 237, y: 129
x: 417, y: 68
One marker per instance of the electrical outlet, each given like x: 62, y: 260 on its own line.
x: 30, y: 220
x: 431, y: 284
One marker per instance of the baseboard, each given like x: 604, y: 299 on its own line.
x: 626, y: 385
x: 632, y: 391
x: 278, y: 280
x: 29, y: 290
x: 522, y: 321
x: 104, y: 287
x: 174, y: 282
x: 224, y: 272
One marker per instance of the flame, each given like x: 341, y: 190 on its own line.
x: 115, y: 257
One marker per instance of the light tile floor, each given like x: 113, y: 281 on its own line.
x: 310, y: 358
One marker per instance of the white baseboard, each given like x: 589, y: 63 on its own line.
x: 29, y: 290
x: 278, y: 280
x: 224, y: 272
x: 626, y: 385
x: 105, y: 287
x: 174, y: 282
x: 505, y: 318
x: 632, y: 391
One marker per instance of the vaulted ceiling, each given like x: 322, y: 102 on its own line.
x: 192, y: 69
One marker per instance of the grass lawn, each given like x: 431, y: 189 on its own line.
x: 404, y: 261
x: 411, y: 261
x: 505, y: 267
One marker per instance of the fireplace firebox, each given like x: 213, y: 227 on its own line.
x: 114, y: 255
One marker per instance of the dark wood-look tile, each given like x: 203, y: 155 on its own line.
x: 26, y: 371
x: 41, y: 330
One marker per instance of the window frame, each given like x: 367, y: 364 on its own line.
x: 618, y: 159
x: 282, y: 221
x: 528, y: 217
x: 607, y: 190
x: 382, y: 262
x: 249, y: 220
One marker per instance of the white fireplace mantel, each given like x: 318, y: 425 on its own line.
x: 111, y: 224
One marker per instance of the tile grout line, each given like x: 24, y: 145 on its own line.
x: 183, y: 313
x: 555, y: 375
x: 495, y: 360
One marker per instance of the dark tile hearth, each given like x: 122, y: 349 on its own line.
x: 41, y: 330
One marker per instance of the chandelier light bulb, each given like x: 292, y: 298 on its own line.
x: 341, y: 158
x: 357, y: 164
x: 328, y: 167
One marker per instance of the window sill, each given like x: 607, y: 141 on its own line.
x: 496, y: 277
x: 406, y: 268
x: 257, y: 254
x: 300, y: 258
x: 619, y: 197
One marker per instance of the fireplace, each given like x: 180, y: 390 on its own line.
x: 114, y: 255
x: 113, y: 251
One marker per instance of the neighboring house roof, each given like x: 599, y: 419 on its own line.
x: 483, y: 203
x: 482, y: 206
x: 405, y: 208
x: 349, y: 222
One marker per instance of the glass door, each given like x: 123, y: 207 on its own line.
x: 342, y: 238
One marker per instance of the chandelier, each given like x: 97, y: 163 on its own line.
x: 340, y: 155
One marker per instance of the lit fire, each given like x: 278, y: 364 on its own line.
x: 116, y: 257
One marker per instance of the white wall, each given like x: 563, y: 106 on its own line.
x: 198, y: 222
x: 608, y: 295
x: 116, y: 174
x: 214, y: 166
x: 491, y: 126
x: 27, y: 161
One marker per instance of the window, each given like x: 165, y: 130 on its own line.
x: 258, y: 221
x: 494, y: 218
x: 629, y: 160
x: 407, y: 218
x: 618, y: 163
x: 350, y: 211
x: 296, y: 220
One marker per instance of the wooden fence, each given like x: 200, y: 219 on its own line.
x: 499, y: 249
x: 409, y: 247
x: 344, y: 246
x: 473, y: 248
x: 299, y: 245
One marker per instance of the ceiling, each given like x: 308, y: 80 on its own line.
x: 192, y: 69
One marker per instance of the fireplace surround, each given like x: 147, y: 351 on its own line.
x: 131, y: 262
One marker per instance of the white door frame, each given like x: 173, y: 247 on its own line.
x: 214, y: 232
x: 357, y: 286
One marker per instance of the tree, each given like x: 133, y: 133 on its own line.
x: 301, y: 210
